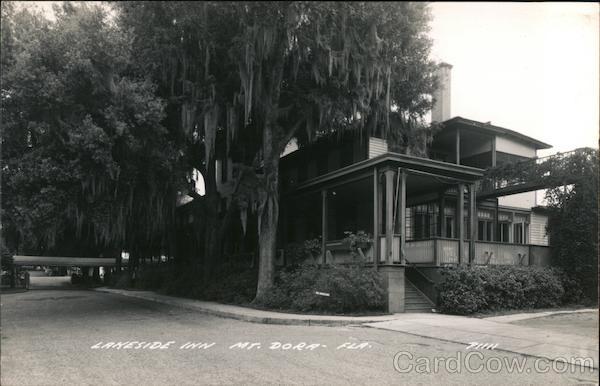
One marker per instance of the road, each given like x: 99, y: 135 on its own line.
x: 48, y: 334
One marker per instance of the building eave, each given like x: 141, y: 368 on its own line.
x: 488, y: 128
x: 444, y: 170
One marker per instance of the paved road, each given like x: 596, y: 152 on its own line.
x: 47, y: 338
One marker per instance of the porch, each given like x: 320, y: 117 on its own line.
x: 383, y: 195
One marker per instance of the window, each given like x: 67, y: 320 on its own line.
x: 484, y: 230
x: 422, y: 226
x: 504, y: 232
x: 518, y: 233
x: 422, y: 221
x: 449, y: 222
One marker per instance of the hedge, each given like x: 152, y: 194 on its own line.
x: 466, y: 290
x: 351, y: 288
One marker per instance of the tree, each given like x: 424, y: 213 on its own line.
x: 261, y: 73
x: 573, y: 220
x: 88, y: 167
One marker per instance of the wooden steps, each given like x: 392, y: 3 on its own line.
x: 414, y: 300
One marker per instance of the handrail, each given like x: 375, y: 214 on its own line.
x: 549, y: 170
x: 416, y: 269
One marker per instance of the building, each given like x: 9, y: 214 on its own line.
x: 421, y: 213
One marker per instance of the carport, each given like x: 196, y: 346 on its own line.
x: 20, y: 260
x: 57, y: 261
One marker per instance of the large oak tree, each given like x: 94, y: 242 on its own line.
x: 260, y: 73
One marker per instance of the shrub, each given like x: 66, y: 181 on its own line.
x: 542, y: 287
x: 573, y: 290
x: 155, y: 276
x: 461, y: 291
x: 465, y: 290
x: 351, y: 288
x: 355, y: 241
x: 229, y: 284
x: 299, y: 253
x: 120, y: 280
x: 232, y: 286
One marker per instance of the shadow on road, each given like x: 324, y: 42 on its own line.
x: 39, y: 282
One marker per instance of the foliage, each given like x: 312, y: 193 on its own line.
x: 244, y: 78
x: 553, y: 170
x: 155, y: 276
x: 298, y: 253
x: 355, y: 241
x: 237, y: 286
x: 461, y: 291
x: 6, y: 257
x: 230, y: 284
x: 574, y: 293
x: 466, y: 290
x: 87, y: 164
x: 573, y: 222
x: 351, y: 289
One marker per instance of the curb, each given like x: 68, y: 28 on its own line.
x: 289, y: 319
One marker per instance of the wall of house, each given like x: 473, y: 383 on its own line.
x: 525, y: 200
x: 476, y: 147
x: 507, y: 145
x: 537, y: 229
x: 377, y: 147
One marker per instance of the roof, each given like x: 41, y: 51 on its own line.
x: 488, y: 128
x: 435, y: 170
x: 65, y: 261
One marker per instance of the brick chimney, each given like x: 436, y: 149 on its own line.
x: 441, y: 107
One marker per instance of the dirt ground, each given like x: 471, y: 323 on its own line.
x: 580, y: 323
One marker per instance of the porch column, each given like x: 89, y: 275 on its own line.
x: 472, y: 222
x: 494, y: 151
x: 460, y: 214
x: 389, y: 215
x: 375, y: 218
x: 458, y: 146
x: 324, y: 226
x: 402, y: 214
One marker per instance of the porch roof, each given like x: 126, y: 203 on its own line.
x: 423, y: 168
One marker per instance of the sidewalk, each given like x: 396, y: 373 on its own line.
x: 508, y: 337
x: 513, y: 338
x: 249, y: 314
x: 533, y: 315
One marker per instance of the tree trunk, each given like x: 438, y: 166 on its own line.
x: 272, y: 146
x: 268, y: 216
x: 211, y: 232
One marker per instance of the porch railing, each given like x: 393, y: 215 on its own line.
x: 441, y: 251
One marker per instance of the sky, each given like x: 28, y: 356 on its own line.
x: 530, y: 67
